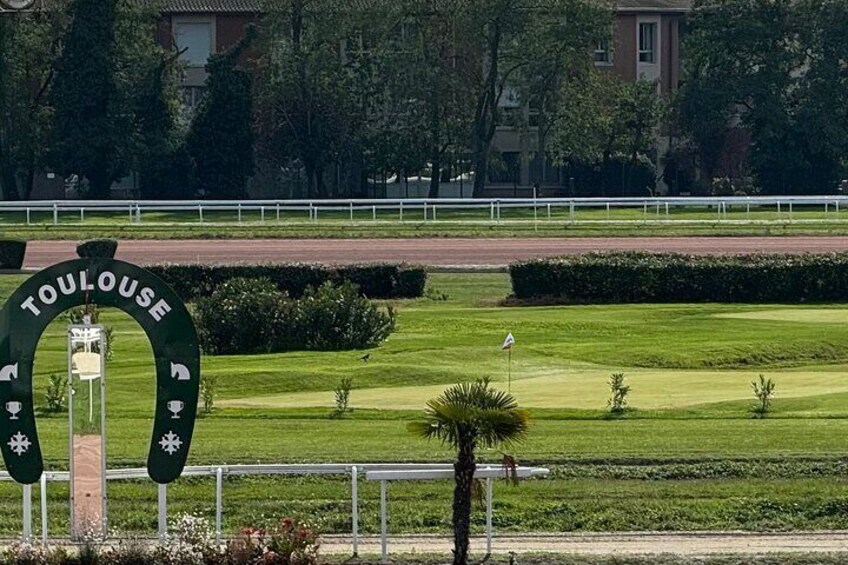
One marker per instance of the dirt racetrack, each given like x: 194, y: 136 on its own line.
x: 691, y: 544
x: 442, y: 252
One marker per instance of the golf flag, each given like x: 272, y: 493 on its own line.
x: 508, y: 342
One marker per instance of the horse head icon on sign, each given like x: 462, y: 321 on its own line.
x: 105, y: 282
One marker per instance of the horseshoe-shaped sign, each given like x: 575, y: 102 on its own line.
x: 105, y: 282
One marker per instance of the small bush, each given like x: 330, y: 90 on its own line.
x: 342, y: 397
x: 667, y: 277
x: 334, y: 318
x: 764, y: 391
x: 251, y: 316
x: 55, y: 396
x: 12, y: 252
x: 381, y: 281
x: 208, y: 383
x: 618, y: 393
x: 240, y: 317
x: 97, y: 249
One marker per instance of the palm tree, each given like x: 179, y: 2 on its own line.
x: 467, y: 416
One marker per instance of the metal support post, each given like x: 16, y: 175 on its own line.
x: 354, y: 508
x: 82, y: 214
x: 28, y: 218
x: 384, y: 553
x: 27, y: 512
x: 262, y: 214
x: 163, y: 514
x: 401, y: 210
x: 434, y: 212
x: 55, y: 214
x: 44, y: 508
x: 488, y: 516
x: 219, y: 501
x: 239, y: 213
x: 351, y: 211
x: 200, y: 212
x: 374, y: 213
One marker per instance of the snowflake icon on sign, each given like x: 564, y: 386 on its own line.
x: 19, y: 444
x: 170, y: 443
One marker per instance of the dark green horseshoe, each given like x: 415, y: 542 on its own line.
x: 105, y: 282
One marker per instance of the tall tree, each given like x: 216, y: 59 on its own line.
x: 220, y: 141
x: 466, y: 417
x: 517, y: 37
x: 308, y: 108
x: 89, y: 126
x: 602, y: 116
x: 777, y: 68
x: 28, y: 45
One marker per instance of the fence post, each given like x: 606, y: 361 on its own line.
x: 28, y: 222
x: 354, y: 508
x: 489, y: 516
x: 425, y: 211
x: 434, y: 212
x: 163, y: 514
x: 498, y: 208
x: 549, y: 211
x: 608, y: 211
x: 27, y: 512
x: 374, y: 213
x: 239, y: 213
x: 82, y: 214
x: 44, y: 508
x: 55, y: 214
x: 571, y: 211
x: 219, y: 501
x: 492, y: 212
x: 790, y: 211
x: 401, y: 210
x: 350, y: 204
x: 278, y: 211
x: 131, y: 212
x: 262, y: 214
x: 384, y: 553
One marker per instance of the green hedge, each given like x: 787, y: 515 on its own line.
x: 12, y: 253
x: 97, y: 248
x: 649, y: 277
x: 374, y: 280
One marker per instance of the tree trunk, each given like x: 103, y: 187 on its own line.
x: 464, y: 478
x: 485, y: 118
x: 99, y: 185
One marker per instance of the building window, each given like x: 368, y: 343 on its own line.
x: 194, y: 39
x: 603, y: 55
x: 647, y: 43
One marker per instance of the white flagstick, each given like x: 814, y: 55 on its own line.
x: 507, y: 344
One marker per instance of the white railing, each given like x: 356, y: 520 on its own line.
x: 382, y: 472
x: 731, y: 209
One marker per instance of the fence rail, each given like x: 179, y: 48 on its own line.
x: 382, y: 472
x: 732, y: 209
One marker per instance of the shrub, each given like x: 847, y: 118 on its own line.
x: 208, y: 382
x: 334, y: 318
x: 649, y: 277
x: 55, y: 395
x: 618, y: 393
x: 12, y: 252
x: 374, y: 281
x: 292, y: 542
x: 97, y: 249
x: 342, y: 397
x: 764, y: 391
x: 240, y: 317
x: 252, y: 316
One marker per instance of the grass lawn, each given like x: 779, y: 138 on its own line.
x: 690, y: 367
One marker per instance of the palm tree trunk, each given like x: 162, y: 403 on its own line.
x: 464, y: 477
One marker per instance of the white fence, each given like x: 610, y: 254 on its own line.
x: 382, y: 472
x: 731, y: 209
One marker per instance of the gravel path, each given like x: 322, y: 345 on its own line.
x: 629, y: 543
x: 442, y: 252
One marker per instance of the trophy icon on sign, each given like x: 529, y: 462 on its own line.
x: 176, y: 406
x: 13, y: 407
